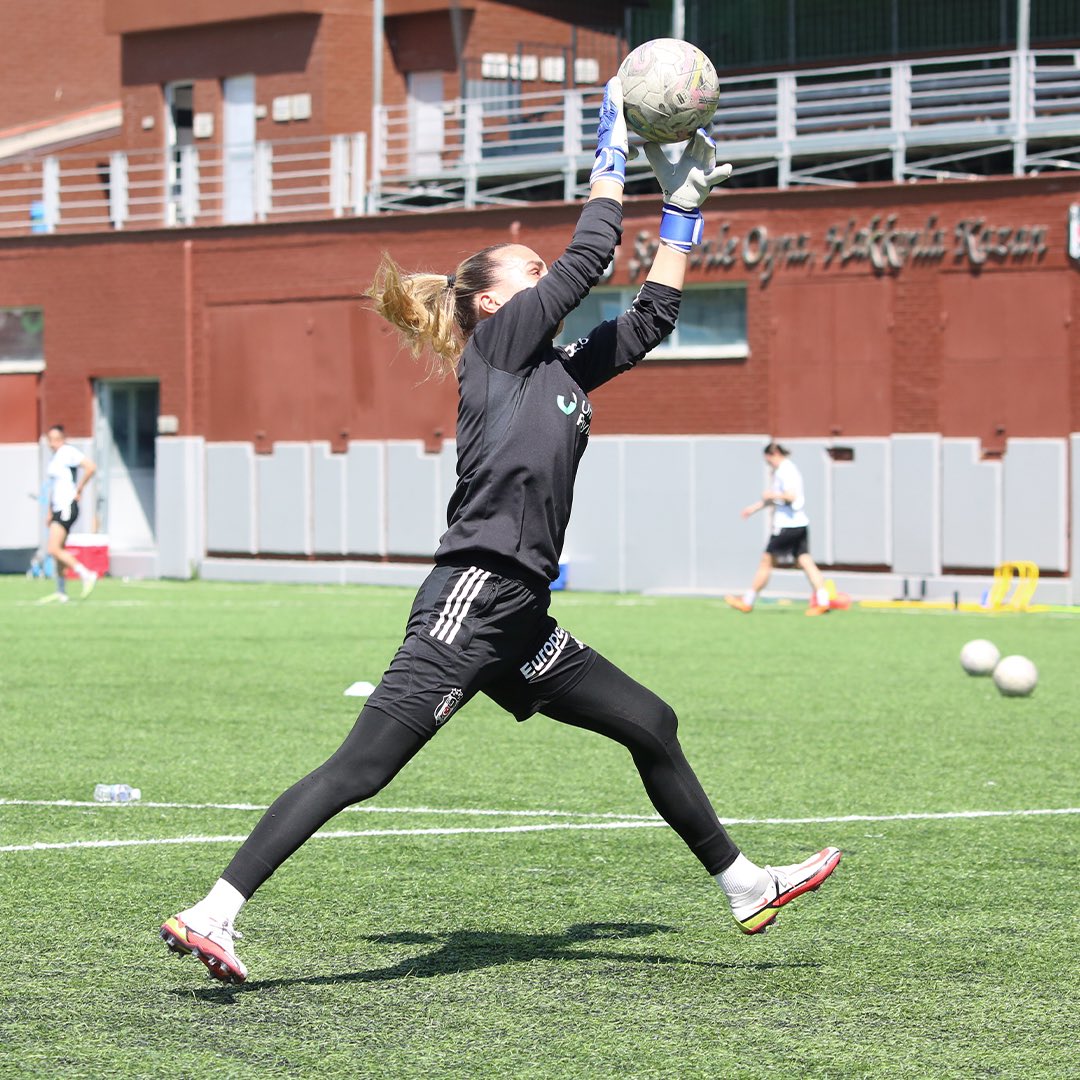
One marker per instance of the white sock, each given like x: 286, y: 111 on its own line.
x: 742, y: 880
x: 822, y: 597
x: 81, y: 571
x: 749, y: 597
x: 222, y: 903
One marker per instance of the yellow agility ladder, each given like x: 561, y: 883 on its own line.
x: 1027, y: 577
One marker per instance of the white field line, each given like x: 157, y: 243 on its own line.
x: 635, y: 823
x: 451, y: 812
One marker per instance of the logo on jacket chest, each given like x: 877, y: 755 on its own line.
x: 582, y: 408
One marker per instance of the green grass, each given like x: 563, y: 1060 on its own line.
x: 943, y: 947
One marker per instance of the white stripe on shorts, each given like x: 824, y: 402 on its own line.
x: 458, y: 603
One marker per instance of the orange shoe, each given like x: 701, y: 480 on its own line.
x: 816, y: 609
x: 739, y: 604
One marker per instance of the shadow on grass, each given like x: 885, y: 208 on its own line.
x: 471, y: 950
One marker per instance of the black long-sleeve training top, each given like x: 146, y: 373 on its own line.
x: 523, y: 410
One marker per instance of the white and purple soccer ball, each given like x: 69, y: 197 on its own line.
x: 670, y: 89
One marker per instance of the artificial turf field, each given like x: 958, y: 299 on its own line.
x: 508, y: 907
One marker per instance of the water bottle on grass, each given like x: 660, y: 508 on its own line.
x: 119, y: 793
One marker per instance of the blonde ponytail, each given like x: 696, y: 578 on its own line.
x: 421, y: 306
x: 435, y: 313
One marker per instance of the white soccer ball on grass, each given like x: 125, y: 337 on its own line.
x: 1015, y: 676
x: 979, y: 657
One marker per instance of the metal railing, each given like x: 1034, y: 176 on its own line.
x: 805, y: 125
x: 482, y: 147
x: 1019, y: 111
x: 287, y: 179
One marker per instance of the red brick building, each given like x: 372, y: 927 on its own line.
x: 926, y: 308
x: 843, y: 316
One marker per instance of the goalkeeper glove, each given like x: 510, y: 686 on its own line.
x: 686, y: 185
x: 612, y: 141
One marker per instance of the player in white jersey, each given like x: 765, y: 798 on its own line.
x: 790, y: 534
x: 69, y: 472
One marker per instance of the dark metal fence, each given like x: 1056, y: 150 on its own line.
x: 749, y: 34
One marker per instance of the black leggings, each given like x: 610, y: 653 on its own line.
x: 606, y: 701
x: 609, y: 702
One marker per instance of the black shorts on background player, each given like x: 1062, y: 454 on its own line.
x: 789, y: 543
x: 67, y: 517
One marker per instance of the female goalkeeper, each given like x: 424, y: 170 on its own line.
x: 480, y: 621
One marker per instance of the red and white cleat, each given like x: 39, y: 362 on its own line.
x: 207, y: 940
x: 786, y: 883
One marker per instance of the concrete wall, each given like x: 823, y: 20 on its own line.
x: 1035, y: 478
x: 915, y: 501
x: 650, y: 513
x: 23, y: 516
x: 658, y: 513
x: 971, y: 506
x: 181, y: 515
x: 915, y: 504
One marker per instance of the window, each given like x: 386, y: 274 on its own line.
x: 553, y: 69
x: 131, y: 409
x: 21, y: 332
x: 495, y: 66
x: 711, y: 326
x: 586, y: 70
x: 179, y: 134
x: 525, y: 68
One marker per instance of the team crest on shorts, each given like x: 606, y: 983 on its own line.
x: 445, y: 709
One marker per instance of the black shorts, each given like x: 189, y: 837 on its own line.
x: 67, y: 517
x: 472, y: 631
x: 789, y: 543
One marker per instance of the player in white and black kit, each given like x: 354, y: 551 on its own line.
x: 68, y: 473
x: 790, y: 533
x: 480, y: 622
